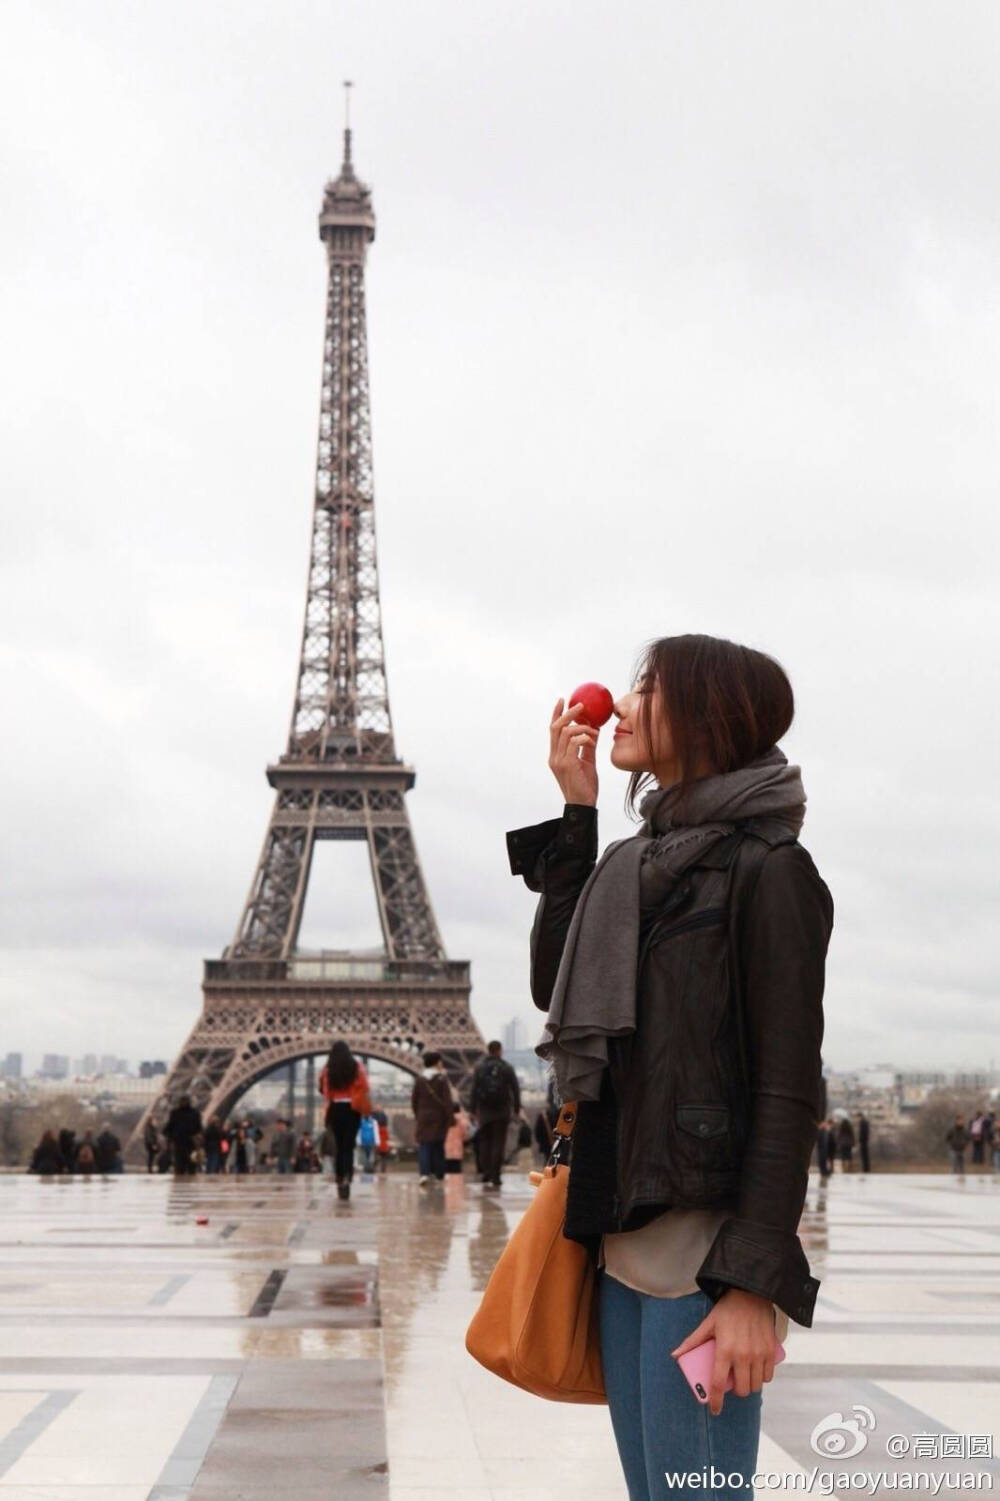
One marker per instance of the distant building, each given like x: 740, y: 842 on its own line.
x: 514, y: 1036
x: 54, y: 1066
x: 151, y: 1067
x: 12, y: 1066
x: 86, y: 1066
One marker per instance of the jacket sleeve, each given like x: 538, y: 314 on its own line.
x: 554, y: 858
x: 783, y: 939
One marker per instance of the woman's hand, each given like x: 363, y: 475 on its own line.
x: 573, y: 755
x: 742, y: 1325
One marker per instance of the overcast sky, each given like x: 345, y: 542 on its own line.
x: 682, y: 317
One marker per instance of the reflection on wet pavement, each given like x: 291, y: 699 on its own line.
x: 298, y: 1344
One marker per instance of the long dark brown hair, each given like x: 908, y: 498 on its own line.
x: 725, y: 703
x: 341, y: 1066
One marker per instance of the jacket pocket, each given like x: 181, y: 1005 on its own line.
x: 703, y: 1121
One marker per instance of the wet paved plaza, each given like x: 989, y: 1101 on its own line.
x: 298, y: 1346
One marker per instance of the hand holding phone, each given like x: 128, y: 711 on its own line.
x: 697, y: 1365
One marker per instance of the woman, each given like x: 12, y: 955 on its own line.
x: 683, y: 978
x: 344, y: 1082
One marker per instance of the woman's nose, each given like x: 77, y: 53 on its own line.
x: 621, y: 705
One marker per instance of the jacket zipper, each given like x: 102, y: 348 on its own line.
x: 697, y: 920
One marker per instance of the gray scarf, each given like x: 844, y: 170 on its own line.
x: 594, y: 994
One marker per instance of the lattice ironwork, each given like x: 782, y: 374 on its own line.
x: 339, y: 777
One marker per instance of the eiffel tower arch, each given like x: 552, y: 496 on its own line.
x: 265, y: 1001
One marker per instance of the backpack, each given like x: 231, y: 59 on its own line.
x: 493, y: 1087
x: 367, y: 1132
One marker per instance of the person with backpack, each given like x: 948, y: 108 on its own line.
x: 496, y: 1097
x: 367, y: 1137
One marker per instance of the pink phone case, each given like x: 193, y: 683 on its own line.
x: 697, y: 1367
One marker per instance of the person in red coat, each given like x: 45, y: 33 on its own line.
x: 344, y: 1084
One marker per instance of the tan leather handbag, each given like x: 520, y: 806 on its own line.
x: 538, y: 1322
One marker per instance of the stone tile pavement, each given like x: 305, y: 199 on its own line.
x: 296, y: 1345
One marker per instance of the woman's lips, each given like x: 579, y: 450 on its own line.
x: 621, y: 732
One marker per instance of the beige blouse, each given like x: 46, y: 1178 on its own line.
x: 662, y: 1256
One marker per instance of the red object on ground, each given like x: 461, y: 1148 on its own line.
x: 598, y: 705
x: 202, y: 1219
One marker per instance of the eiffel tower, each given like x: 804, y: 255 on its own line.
x: 265, y: 1002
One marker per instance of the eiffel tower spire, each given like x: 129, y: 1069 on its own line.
x: 339, y: 777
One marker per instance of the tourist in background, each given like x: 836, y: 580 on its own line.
x: 344, y: 1084
x: 454, y: 1141
x: 151, y: 1143
x: 826, y: 1149
x: 495, y: 1099
x: 864, y: 1135
x: 108, y: 1151
x: 383, y: 1147
x: 977, y: 1128
x: 238, y: 1150
x: 183, y: 1130
x: 47, y: 1158
x: 213, y: 1146
x: 845, y: 1144
x: 431, y: 1102
x: 306, y: 1160
x: 67, y: 1147
x: 283, y: 1146
x: 367, y: 1135
x: 253, y: 1135
x: 86, y: 1155
x: 958, y: 1139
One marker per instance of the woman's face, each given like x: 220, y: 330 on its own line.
x: 630, y: 750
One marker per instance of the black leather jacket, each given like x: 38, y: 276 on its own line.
x: 714, y: 1100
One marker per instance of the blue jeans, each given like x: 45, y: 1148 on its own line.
x: 430, y: 1158
x: 658, y: 1423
